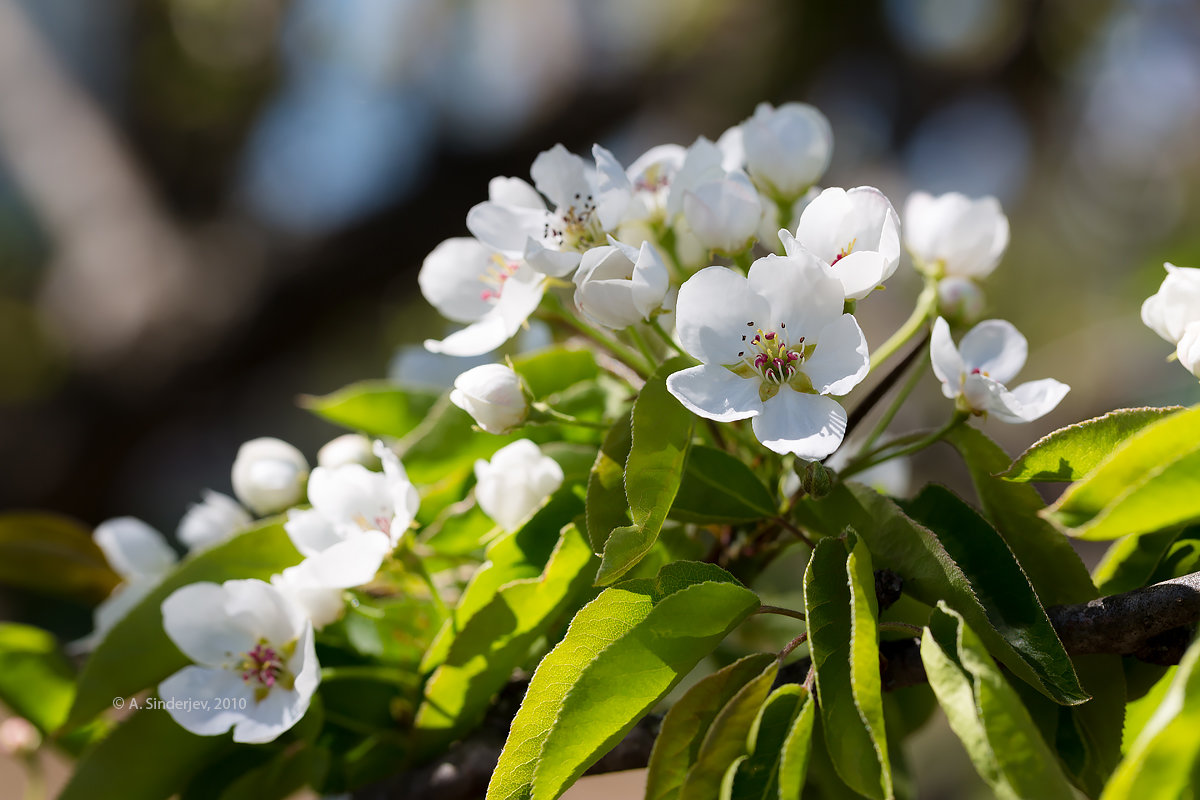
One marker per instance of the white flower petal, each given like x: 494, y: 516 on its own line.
x: 515, y: 482
x: 967, y: 237
x: 281, y: 709
x: 713, y: 392
x: 1175, y: 305
x: 195, y: 618
x: 505, y: 228
x: 1028, y: 401
x: 134, y: 549
x: 701, y: 164
x: 862, y: 272
x: 947, y: 363
x: 350, y: 493
x: 515, y: 192
x: 838, y: 223
x: 996, y: 348
x: 802, y: 293
x: 548, y: 261
x: 260, y: 608
x: 562, y: 176
x: 788, y: 148
x: 310, y: 531
x: 451, y: 279
x: 810, y: 426
x: 716, y: 308
x: 184, y: 694
x: 613, y: 189
x: 1188, y: 350
x: 212, y: 521
x: 840, y: 360
x: 724, y: 214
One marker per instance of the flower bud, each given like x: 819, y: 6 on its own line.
x: 211, y: 521
x: 787, y: 148
x: 269, y: 475
x: 954, y: 235
x: 618, y: 285
x: 515, y: 482
x: 349, y: 448
x: 960, y: 300
x: 493, y: 396
x: 815, y: 478
x: 19, y: 738
x: 1175, y: 305
x: 724, y: 214
x: 1188, y: 350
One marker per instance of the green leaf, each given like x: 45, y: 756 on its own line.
x: 623, y: 653
x: 550, y: 371
x: 1163, y: 759
x: 839, y: 601
x: 758, y: 776
x: 1069, y: 453
x: 727, y: 738
x: 376, y: 408
x: 1152, y: 481
x: 719, y: 487
x: 661, y: 433
x: 1130, y: 561
x: 148, y: 757
x: 607, y: 507
x: 53, y: 554
x: 686, y: 723
x: 36, y: 681
x: 282, y: 776
x: 443, y: 448
x: 461, y: 530
x: 986, y: 714
x: 112, y: 670
x: 494, y: 641
x: 797, y: 750
x: 927, y: 561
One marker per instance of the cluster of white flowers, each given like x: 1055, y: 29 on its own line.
x: 252, y: 641
x: 1173, y: 312
x: 773, y: 326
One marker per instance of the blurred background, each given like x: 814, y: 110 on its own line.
x: 208, y: 207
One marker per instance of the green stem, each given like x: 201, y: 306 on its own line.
x: 925, y: 308
x: 858, y: 465
x: 631, y: 358
x: 545, y: 415
x: 744, y: 259
x: 368, y: 673
x: 901, y: 627
x: 918, y: 372
x: 657, y: 327
x: 647, y: 353
x: 414, y: 561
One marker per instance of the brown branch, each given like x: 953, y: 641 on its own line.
x: 1153, y: 623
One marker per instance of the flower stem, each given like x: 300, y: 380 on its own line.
x: 414, y: 562
x: 901, y: 627
x: 368, y: 672
x: 860, y: 464
x: 643, y: 347
x: 783, y: 612
x: 657, y: 327
x: 925, y: 308
x: 880, y: 390
x: 918, y: 372
x: 629, y: 357
x: 545, y: 415
x: 792, y: 645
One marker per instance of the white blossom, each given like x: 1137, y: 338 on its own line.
x: 492, y: 394
x: 954, y: 235
x: 317, y: 583
x: 349, y: 448
x: 470, y: 283
x: 723, y: 214
x: 974, y: 374
x: 1188, y: 350
x: 351, y: 500
x: 787, y: 149
x: 854, y: 231
x: 514, y: 483
x: 211, y: 521
x: 269, y: 475
x: 638, y: 194
x: 960, y: 300
x: 618, y: 285
x: 252, y: 648
x: 774, y: 345
x: 1175, y: 305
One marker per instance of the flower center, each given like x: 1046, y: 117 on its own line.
x: 495, y: 277
x: 769, y: 354
x: 576, y: 227
x: 845, y: 251
x: 265, y: 667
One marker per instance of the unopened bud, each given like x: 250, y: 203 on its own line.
x: 492, y: 394
x: 349, y: 448
x: 815, y: 478
x: 19, y: 738
x: 269, y: 475
x: 960, y: 301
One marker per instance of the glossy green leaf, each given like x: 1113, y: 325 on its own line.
x: 1152, y: 481
x: 757, y: 777
x: 553, y: 370
x: 796, y: 752
x: 727, y: 738
x: 839, y: 601
x: 1130, y: 561
x: 110, y: 672
x: 719, y: 487
x: 927, y: 561
x: 986, y: 714
x: 1163, y: 759
x: 661, y: 433
x: 36, y: 681
x: 1069, y: 453
x: 607, y: 507
x: 622, y: 653
x: 376, y: 408
x: 147, y: 757
x: 53, y: 554
x: 686, y: 723
x: 494, y: 641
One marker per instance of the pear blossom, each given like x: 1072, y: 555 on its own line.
x: 142, y: 557
x: 252, y: 647
x: 351, y: 500
x: 703, y: 162
x: 514, y: 483
x: 492, y: 394
x: 550, y: 237
x: 774, y: 345
x: 953, y: 235
x: 1188, y: 350
x: 960, y: 300
x: 470, y: 283
x: 855, y: 231
x: 213, y: 520
x: 724, y: 214
x: 1176, y: 305
x: 617, y: 285
x: 974, y: 374
x: 269, y: 475
x: 317, y: 584
x: 787, y: 149
x: 639, y: 193
x: 349, y: 448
